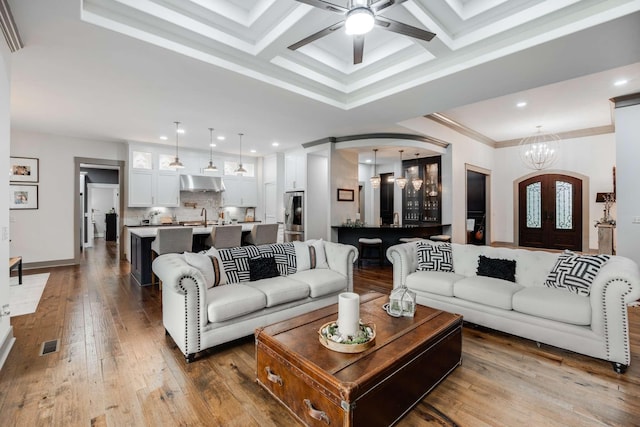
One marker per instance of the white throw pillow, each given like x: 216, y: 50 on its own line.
x: 303, y: 259
x: 320, y: 254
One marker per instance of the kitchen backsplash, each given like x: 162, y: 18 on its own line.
x: 209, y: 200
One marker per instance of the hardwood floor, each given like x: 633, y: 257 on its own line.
x: 115, y: 367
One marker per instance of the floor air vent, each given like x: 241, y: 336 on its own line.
x: 49, y: 347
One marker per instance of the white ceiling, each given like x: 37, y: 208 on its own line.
x: 125, y: 70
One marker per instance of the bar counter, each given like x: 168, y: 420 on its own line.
x: 390, y: 235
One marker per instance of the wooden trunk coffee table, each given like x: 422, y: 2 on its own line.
x: 373, y: 388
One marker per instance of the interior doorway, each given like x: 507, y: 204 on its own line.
x: 386, y: 198
x: 103, y: 171
x: 477, y: 205
x: 550, y: 212
x: 101, y: 200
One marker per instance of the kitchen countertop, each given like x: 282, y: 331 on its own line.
x: 151, y: 231
x: 389, y: 227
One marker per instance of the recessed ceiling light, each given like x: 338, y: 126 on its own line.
x: 252, y: 151
x: 220, y: 138
x: 275, y: 144
x: 521, y: 104
x: 163, y: 137
x: 368, y: 161
x: 180, y: 131
x: 621, y: 82
x: 212, y: 145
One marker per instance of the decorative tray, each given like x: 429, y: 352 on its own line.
x: 329, y: 337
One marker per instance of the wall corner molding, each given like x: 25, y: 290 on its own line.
x: 9, y: 28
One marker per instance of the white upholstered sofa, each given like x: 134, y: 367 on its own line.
x: 209, y: 299
x: 592, y: 322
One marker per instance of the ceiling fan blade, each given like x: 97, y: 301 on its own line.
x: 316, y: 36
x: 358, y: 48
x: 383, y: 4
x: 325, y: 5
x: 404, y: 29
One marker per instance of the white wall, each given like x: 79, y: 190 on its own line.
x: 628, y: 176
x: 593, y: 156
x: 317, y: 225
x: 6, y: 334
x: 47, y: 234
x: 343, y: 171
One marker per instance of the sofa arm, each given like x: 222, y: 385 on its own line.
x: 184, y: 301
x: 404, y: 259
x: 616, y: 285
x: 340, y: 258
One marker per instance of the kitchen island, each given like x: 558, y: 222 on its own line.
x: 389, y: 234
x: 142, y: 236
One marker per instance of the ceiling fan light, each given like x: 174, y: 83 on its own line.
x: 359, y: 20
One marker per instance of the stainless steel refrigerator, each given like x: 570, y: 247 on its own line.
x: 294, y: 216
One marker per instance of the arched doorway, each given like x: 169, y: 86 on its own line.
x: 550, y: 212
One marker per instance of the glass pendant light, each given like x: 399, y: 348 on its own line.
x: 401, y: 180
x: 177, y: 163
x: 417, y: 182
x: 211, y: 167
x: 375, y: 179
x: 240, y: 170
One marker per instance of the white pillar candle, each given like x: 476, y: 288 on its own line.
x: 348, y: 313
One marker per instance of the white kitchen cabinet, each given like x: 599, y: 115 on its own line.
x: 140, y: 188
x: 150, y: 183
x: 240, y: 191
x: 295, y: 171
x: 167, y: 189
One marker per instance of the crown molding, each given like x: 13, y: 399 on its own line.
x: 461, y: 129
x: 9, y: 28
x: 626, y: 100
x: 579, y: 133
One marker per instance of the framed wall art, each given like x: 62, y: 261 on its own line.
x: 23, y: 196
x: 345, y: 195
x: 23, y: 169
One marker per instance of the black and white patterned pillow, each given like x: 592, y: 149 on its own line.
x: 434, y: 257
x: 236, y: 260
x: 575, y: 273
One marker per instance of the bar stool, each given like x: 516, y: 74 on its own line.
x: 262, y: 234
x: 440, y: 238
x: 225, y: 236
x: 410, y: 239
x: 170, y: 240
x: 364, y: 244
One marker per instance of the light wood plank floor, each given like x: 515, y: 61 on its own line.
x: 115, y: 367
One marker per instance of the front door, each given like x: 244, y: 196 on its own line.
x: 550, y: 212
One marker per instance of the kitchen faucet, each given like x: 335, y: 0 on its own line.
x: 204, y: 212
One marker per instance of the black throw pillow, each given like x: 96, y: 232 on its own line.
x: 262, y: 268
x: 504, y: 269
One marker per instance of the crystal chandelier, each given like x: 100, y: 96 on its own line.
x: 417, y: 182
x: 211, y: 167
x: 401, y: 180
x: 240, y: 170
x: 176, y: 162
x: 375, y: 179
x: 540, y: 150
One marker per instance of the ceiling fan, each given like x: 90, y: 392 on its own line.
x: 359, y: 18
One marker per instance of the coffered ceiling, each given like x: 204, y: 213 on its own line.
x: 251, y: 37
x: 125, y: 70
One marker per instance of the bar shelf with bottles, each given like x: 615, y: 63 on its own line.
x: 422, y: 205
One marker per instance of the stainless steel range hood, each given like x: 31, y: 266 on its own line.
x: 197, y: 183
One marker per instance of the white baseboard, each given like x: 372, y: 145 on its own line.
x: 6, y: 345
